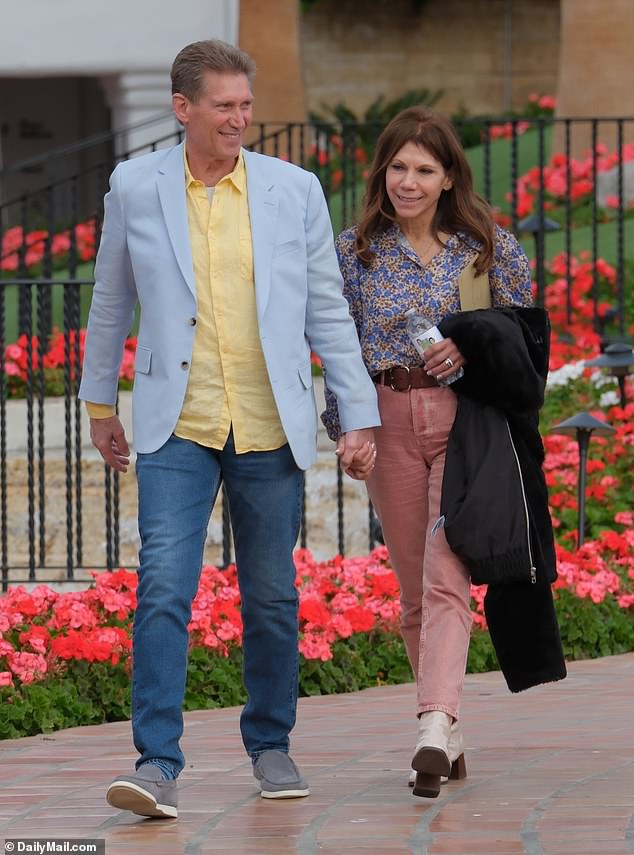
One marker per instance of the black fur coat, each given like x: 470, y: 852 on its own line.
x: 494, y: 498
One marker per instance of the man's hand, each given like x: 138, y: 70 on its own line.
x: 108, y: 437
x: 357, y: 452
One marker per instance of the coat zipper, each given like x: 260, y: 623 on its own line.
x: 528, y: 533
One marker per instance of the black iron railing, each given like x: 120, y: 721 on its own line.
x: 561, y: 184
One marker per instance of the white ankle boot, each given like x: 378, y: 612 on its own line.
x: 456, y: 757
x: 439, y: 753
x: 432, y: 749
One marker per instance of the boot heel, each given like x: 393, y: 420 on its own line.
x: 427, y: 785
x: 458, y: 769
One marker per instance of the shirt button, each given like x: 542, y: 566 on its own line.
x: 192, y: 322
x: 184, y: 365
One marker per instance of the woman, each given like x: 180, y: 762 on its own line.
x: 421, y: 229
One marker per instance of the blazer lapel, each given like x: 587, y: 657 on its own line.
x: 173, y: 198
x: 263, y: 208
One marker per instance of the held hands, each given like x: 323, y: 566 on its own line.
x: 357, y: 452
x: 443, y: 359
x: 108, y: 437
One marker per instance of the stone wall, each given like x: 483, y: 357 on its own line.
x: 486, y: 55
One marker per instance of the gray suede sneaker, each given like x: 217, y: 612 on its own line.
x: 278, y: 777
x: 146, y: 793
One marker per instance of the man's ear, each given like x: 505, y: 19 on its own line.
x: 179, y: 105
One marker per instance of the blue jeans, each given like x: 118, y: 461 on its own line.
x: 178, y: 485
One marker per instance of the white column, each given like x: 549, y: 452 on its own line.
x: 137, y: 97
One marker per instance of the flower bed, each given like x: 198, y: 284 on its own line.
x: 20, y: 249
x: 572, y: 177
x: 65, y: 657
x: 29, y: 361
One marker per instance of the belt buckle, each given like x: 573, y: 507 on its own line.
x: 392, y: 386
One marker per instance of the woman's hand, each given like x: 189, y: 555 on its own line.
x: 356, y: 451
x: 443, y: 359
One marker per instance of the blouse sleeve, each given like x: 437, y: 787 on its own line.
x: 510, y: 275
x: 348, y: 264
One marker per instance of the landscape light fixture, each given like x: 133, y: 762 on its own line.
x: 618, y: 358
x: 582, y: 426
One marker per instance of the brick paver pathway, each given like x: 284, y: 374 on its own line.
x: 551, y: 772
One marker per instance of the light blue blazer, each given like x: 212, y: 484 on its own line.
x: 145, y: 257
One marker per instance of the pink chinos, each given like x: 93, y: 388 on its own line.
x: 405, y: 489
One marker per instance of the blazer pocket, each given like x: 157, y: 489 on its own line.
x: 142, y: 360
x: 306, y: 376
x: 287, y: 246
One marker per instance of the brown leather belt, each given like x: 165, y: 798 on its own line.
x: 402, y: 379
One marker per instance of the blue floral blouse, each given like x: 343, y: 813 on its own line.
x: 397, y: 280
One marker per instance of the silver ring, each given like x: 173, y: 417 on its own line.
x: 449, y: 362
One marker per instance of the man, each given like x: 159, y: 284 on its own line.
x: 230, y: 256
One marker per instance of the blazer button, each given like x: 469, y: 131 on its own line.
x: 192, y: 322
x: 184, y: 365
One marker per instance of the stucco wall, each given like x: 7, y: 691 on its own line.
x: 355, y: 51
x: 269, y: 32
x: 597, y: 73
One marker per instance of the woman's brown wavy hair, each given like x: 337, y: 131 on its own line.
x: 459, y: 208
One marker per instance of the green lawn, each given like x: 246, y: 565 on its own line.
x: 500, y: 163
x: 582, y: 239
x: 84, y: 272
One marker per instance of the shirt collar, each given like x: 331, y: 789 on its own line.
x: 238, y: 176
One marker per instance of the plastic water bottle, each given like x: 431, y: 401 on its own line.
x: 423, y: 333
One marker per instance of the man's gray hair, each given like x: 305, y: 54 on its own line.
x: 195, y: 59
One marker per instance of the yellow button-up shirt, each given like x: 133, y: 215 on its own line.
x: 228, y: 383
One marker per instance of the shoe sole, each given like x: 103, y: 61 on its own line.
x: 128, y: 796
x: 432, y: 761
x: 428, y: 782
x: 443, y: 780
x: 284, y: 794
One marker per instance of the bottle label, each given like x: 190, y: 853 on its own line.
x: 423, y: 340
